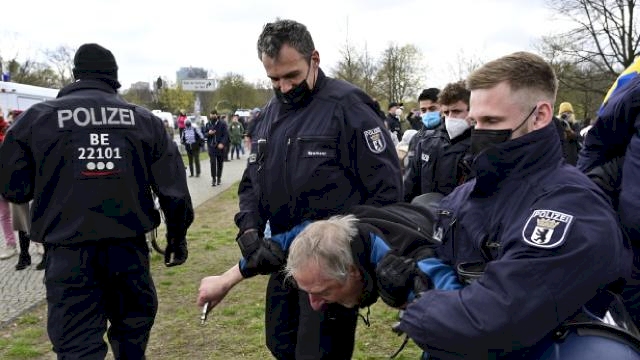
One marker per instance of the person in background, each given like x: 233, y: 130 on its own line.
x: 217, y: 136
x: 568, y: 129
x: 392, y: 121
x: 192, y: 138
x: 254, y: 117
x: 235, y: 134
x: 170, y: 130
x: 5, y: 212
x: 403, y: 148
x: 21, y: 224
x: 182, y: 118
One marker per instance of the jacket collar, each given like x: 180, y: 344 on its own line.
x: 85, y: 84
x: 529, y: 154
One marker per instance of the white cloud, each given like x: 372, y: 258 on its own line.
x: 151, y: 38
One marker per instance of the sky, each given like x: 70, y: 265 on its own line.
x: 156, y: 38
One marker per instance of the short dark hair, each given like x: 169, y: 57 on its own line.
x: 429, y: 94
x: 454, y: 92
x: 280, y: 32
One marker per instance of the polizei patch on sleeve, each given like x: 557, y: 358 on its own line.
x: 375, y: 140
x: 546, y: 228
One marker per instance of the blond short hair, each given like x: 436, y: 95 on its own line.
x: 521, y: 71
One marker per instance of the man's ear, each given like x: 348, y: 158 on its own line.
x: 315, y: 59
x: 355, y: 272
x: 544, y: 115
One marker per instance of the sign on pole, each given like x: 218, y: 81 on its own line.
x: 200, y: 85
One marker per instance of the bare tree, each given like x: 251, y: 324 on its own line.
x: 605, y: 35
x: 61, y: 59
x: 369, y: 68
x: 399, y: 72
x: 32, y: 73
x: 348, y: 68
x: 464, y: 65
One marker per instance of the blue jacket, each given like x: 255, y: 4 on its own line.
x: 617, y: 133
x: 540, y: 238
x: 315, y: 160
x: 442, y: 276
x: 89, y: 160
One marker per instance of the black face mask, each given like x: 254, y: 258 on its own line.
x: 482, y: 139
x: 296, y: 95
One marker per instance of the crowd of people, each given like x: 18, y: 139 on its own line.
x: 515, y: 253
x: 501, y: 227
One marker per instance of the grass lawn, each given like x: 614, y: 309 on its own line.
x: 234, y: 329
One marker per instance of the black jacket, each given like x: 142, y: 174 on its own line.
x: 314, y: 160
x: 220, y: 135
x: 393, y: 124
x: 89, y: 160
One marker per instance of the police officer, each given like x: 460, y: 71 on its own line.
x: 319, y: 148
x: 413, y: 180
x: 443, y: 155
x: 535, y: 238
x: 90, y: 160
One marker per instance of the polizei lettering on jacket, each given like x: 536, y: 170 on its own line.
x: 102, y: 116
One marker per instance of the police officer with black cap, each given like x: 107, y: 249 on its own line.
x: 90, y: 162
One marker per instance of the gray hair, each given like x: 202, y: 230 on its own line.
x: 327, y: 242
x: 276, y: 34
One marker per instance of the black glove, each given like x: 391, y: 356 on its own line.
x: 249, y: 242
x: 269, y: 258
x: 397, y: 276
x: 176, y: 252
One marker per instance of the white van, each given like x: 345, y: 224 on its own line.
x: 14, y: 96
x: 165, y: 115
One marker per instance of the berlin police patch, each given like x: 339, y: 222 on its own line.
x: 375, y: 140
x: 546, y: 228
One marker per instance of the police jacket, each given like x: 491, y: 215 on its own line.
x: 446, y: 162
x: 539, y: 238
x: 220, y: 135
x: 419, y: 175
x: 616, y: 133
x: 89, y: 160
x: 315, y: 159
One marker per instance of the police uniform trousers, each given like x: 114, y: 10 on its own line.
x: 92, y: 282
x: 295, y: 331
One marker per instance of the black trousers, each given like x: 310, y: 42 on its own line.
x: 294, y: 331
x: 216, y: 159
x: 91, y: 283
x: 193, y: 154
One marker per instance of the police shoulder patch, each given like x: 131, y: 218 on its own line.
x: 375, y: 140
x: 546, y: 229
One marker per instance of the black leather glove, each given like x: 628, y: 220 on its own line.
x: 397, y: 276
x: 249, y: 242
x: 176, y: 252
x: 269, y: 258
